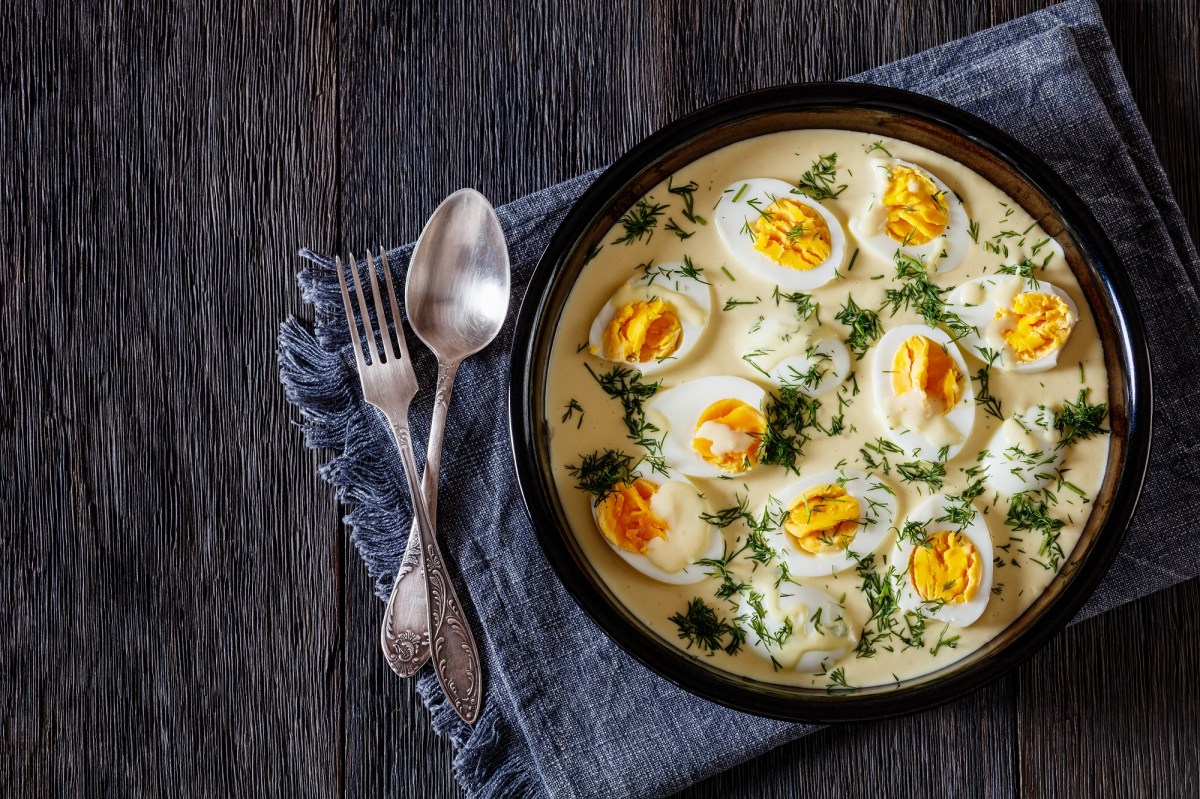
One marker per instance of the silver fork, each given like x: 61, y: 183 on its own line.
x: 389, y: 383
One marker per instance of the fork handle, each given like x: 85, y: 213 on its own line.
x: 405, y: 632
x: 452, y: 646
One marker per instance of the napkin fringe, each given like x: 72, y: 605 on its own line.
x: 378, y: 518
x: 483, y: 762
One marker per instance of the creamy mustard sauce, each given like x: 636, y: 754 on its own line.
x: 1017, y: 578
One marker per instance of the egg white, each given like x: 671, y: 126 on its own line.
x: 961, y: 417
x: 835, y: 364
x: 732, y: 216
x: 692, y: 573
x: 1032, y: 463
x: 876, y: 519
x: 691, y: 300
x: 838, y: 637
x: 998, y: 292
x: 966, y: 613
x: 676, y: 410
x: 871, y: 226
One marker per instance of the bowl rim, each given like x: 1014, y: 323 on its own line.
x: 1097, y: 252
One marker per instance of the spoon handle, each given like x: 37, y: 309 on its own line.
x: 405, y: 633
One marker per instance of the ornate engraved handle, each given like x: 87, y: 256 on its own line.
x: 455, y: 654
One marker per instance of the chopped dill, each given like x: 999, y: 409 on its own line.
x: 864, y: 326
x: 1080, y: 420
x: 688, y: 194
x: 732, y: 303
x: 918, y: 292
x: 639, y: 221
x: 973, y: 231
x: 626, y: 386
x: 598, y: 472
x: 878, y: 145
x: 820, y: 181
x: 943, y: 641
x: 673, y: 227
x: 1028, y: 513
x: 837, y: 679
x: 984, y: 397
x: 931, y: 474
x: 574, y: 407
x: 701, y: 627
x: 805, y: 307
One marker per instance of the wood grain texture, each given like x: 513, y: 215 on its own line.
x: 169, y: 596
x: 184, y: 612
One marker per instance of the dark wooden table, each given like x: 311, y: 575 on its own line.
x: 182, y: 611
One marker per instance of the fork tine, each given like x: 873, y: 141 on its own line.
x: 385, y: 337
x: 368, y: 328
x: 391, y: 291
x: 358, y: 353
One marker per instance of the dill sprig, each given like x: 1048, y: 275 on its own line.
x: 875, y: 455
x: 888, y: 625
x: 727, y: 516
x: 878, y: 145
x: 701, y: 627
x: 599, y: 472
x: 991, y: 404
x: 673, y: 227
x: 669, y: 274
x: 805, y: 307
x: 932, y: 474
x: 639, y: 221
x: 688, y: 193
x: 626, y: 386
x: 943, y: 641
x: 1027, y: 512
x: 837, y: 679
x: 819, y: 181
x: 918, y: 292
x: 790, y: 414
x: 1080, y: 420
x: 574, y: 407
x: 864, y: 326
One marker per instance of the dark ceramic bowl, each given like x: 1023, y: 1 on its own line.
x: 898, y: 115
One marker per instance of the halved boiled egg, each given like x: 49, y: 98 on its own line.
x: 1026, y: 321
x: 923, y: 391
x: 830, y: 515
x: 779, y: 234
x: 947, y: 572
x: 797, y: 626
x: 916, y: 213
x: 1023, y: 454
x: 713, y: 426
x: 654, y: 524
x: 650, y: 325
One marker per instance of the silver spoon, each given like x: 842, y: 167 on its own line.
x: 456, y: 297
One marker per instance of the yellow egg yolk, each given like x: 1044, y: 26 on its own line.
x: 946, y: 568
x: 823, y: 519
x: 916, y: 208
x: 923, y: 365
x: 728, y: 435
x: 642, y: 331
x: 792, y: 234
x: 1040, y: 324
x: 625, y: 518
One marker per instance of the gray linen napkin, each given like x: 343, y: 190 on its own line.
x: 591, y: 721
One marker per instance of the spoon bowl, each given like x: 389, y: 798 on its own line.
x: 458, y: 281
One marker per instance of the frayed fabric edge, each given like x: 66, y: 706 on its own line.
x: 479, y: 764
x: 306, y: 360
